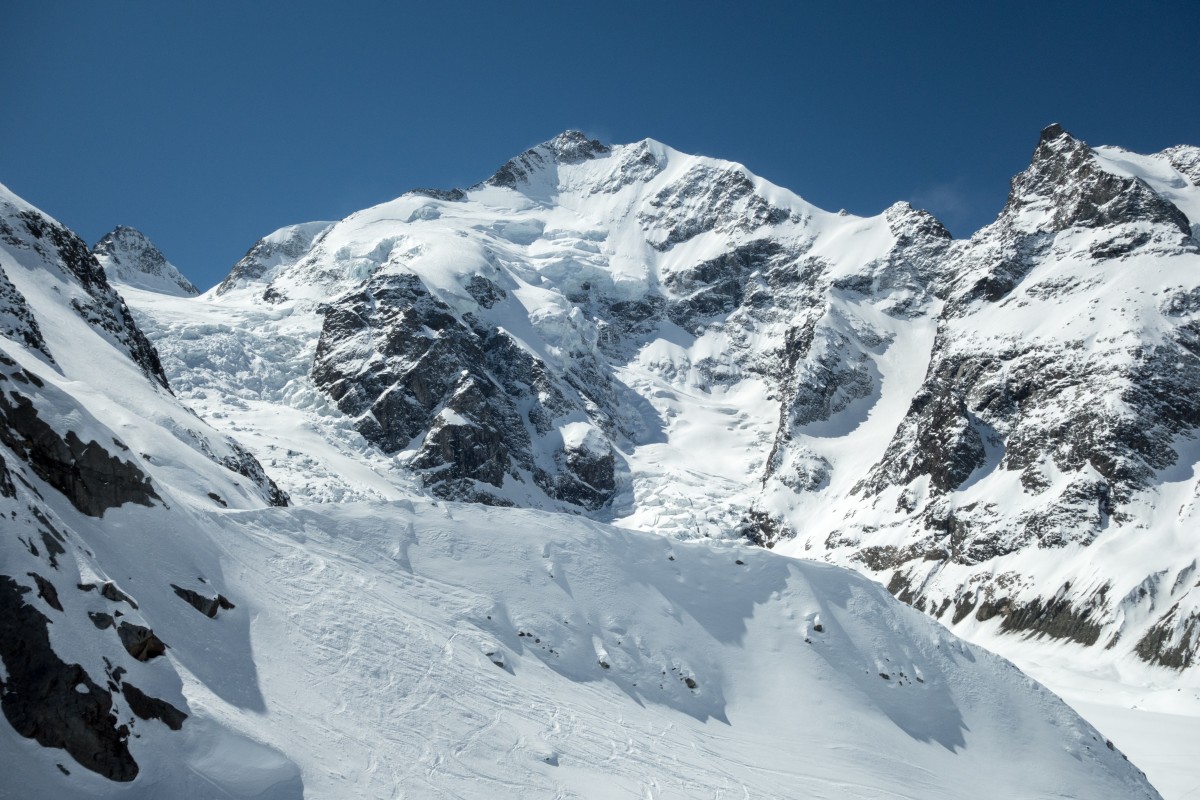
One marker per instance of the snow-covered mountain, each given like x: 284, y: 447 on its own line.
x: 1000, y: 429
x: 168, y: 628
x: 1044, y: 471
x: 129, y: 258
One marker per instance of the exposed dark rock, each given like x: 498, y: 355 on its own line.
x: 881, y: 558
x: 707, y: 199
x: 938, y: 437
x: 127, y: 255
x: 101, y: 620
x: 245, y: 464
x: 716, y: 287
x: 1185, y: 159
x: 1182, y: 303
x: 147, y: 707
x: 17, y: 321
x: 53, y: 548
x: 103, y: 308
x: 414, y: 374
x: 630, y: 319
x: 1057, y: 617
x: 54, y: 703
x: 588, y: 479
x: 638, y: 164
x: 1171, y: 642
x: 7, y: 487
x: 761, y: 528
x: 484, y: 292
x: 87, y: 474
x: 1024, y: 404
x: 829, y: 375
x: 284, y: 246
x: 474, y: 443
x: 1065, y: 176
x: 46, y: 591
x: 449, y: 195
x: 208, y: 606
x: 109, y: 591
x: 962, y: 607
x: 1060, y: 616
x: 140, y: 641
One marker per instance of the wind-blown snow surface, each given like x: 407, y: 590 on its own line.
x: 361, y: 660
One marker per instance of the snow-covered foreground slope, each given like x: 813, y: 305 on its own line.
x: 460, y: 651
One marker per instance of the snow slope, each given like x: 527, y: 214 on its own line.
x: 360, y: 659
x: 90, y: 351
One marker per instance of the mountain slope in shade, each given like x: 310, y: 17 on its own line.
x: 130, y: 259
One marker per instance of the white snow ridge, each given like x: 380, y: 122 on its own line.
x: 511, y: 490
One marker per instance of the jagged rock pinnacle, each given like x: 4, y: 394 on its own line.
x: 1051, y: 132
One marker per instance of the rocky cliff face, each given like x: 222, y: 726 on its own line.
x: 23, y: 228
x: 280, y: 248
x: 474, y: 408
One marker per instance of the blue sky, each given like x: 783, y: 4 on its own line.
x: 207, y: 125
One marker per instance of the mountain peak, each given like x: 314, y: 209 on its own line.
x: 906, y: 221
x: 1052, y: 132
x: 569, y: 147
x: 130, y: 258
x: 1066, y: 185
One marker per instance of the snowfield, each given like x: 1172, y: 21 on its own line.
x: 421, y: 650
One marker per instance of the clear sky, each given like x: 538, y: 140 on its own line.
x: 208, y: 125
